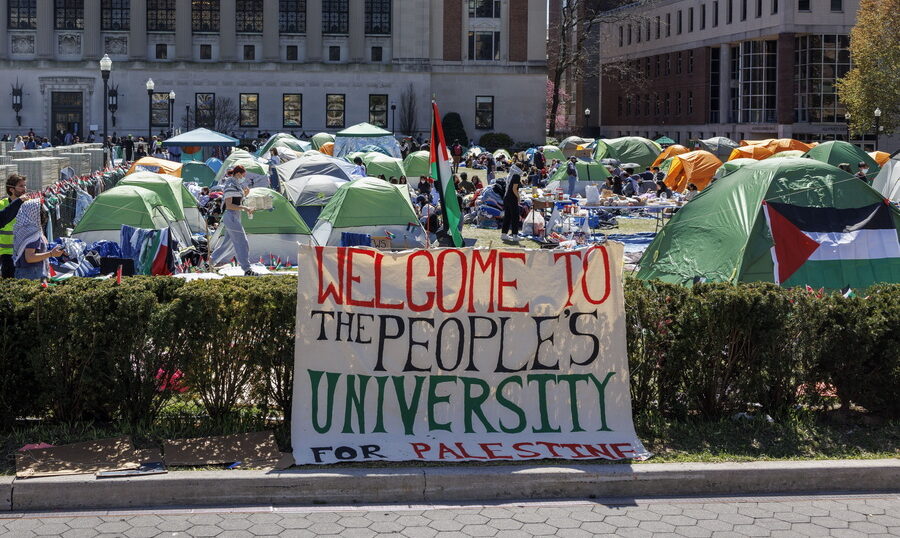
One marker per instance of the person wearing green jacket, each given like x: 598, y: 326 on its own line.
x: 9, y: 208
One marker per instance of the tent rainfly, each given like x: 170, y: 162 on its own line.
x: 378, y: 164
x: 122, y: 205
x: 315, y: 165
x: 887, y: 182
x: 628, y: 149
x: 697, y: 167
x: 417, y: 163
x: 589, y: 173
x: 836, y: 152
x: 158, y: 166
x: 201, y: 138
x: 671, y: 151
x: 357, y: 137
x: 719, y: 146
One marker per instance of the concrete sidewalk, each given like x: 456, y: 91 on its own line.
x: 446, y: 484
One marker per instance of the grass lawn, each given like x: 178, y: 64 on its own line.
x: 485, y: 237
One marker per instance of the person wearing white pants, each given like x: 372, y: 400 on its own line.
x: 233, y: 192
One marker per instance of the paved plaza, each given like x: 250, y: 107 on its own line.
x: 820, y: 515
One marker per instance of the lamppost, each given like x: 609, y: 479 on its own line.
x: 393, y: 121
x: 847, y: 120
x: 587, y: 118
x: 877, y: 126
x: 150, y: 85
x: 171, y: 112
x: 187, y: 117
x: 105, y: 68
x: 113, y: 103
x: 17, y: 101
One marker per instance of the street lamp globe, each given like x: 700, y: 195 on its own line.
x: 172, y: 95
x: 587, y: 112
x: 877, y: 112
x: 105, y: 64
x: 150, y: 85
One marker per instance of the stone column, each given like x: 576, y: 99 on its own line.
x: 227, y: 31
x: 183, y: 31
x: 271, y: 33
x: 44, y: 45
x: 314, y: 31
x: 137, y: 36
x: 724, y: 82
x: 357, y: 30
x: 4, y: 34
x: 92, y: 39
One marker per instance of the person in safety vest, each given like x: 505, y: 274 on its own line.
x: 9, y: 208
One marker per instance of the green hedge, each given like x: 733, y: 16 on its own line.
x: 95, y: 350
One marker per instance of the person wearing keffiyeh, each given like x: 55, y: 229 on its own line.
x: 30, y: 244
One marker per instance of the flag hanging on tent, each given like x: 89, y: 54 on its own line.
x: 811, y: 239
x: 440, y: 172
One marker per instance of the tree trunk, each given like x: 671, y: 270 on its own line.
x: 554, y: 102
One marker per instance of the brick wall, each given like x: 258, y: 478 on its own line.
x: 518, y: 30
x: 452, y: 30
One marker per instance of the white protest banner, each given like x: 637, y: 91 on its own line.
x: 461, y: 354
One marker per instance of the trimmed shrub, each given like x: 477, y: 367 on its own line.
x: 495, y: 141
x: 454, y: 129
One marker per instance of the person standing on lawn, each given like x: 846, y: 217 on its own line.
x: 9, y: 208
x: 234, y: 190
x: 511, y: 209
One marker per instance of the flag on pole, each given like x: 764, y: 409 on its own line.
x: 440, y: 172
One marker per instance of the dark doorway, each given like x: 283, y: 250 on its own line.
x: 67, y: 113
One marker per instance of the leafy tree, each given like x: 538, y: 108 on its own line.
x: 454, y: 129
x: 875, y: 52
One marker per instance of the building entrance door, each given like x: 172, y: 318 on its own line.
x: 67, y: 113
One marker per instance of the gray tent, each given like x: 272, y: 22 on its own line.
x: 719, y: 146
x: 310, y: 194
x: 314, y: 165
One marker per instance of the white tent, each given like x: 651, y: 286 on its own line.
x: 887, y: 182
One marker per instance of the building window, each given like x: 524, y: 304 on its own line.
x: 647, y: 28
x: 647, y: 104
x: 837, y: 5
x: 115, y: 15
x: 690, y: 19
x: 668, y: 24
x: 679, y: 23
x: 678, y: 63
x: 638, y: 35
x: 677, y: 103
x: 334, y: 53
x: 819, y: 61
x: 715, y: 13
x: 249, y: 110
x: 668, y: 64
x: 291, y: 53
x: 69, y: 14
x: 729, y: 11
x: 292, y: 110
x: 690, y: 68
x: 335, y: 17
x: 206, y: 52
x: 487, y: 9
x: 249, y: 16
x: 162, y: 51
x: 21, y: 14
x: 621, y: 35
x: 205, y: 15
x: 159, y: 109
x: 378, y: 107
x: 658, y: 66
x: 743, y: 10
x: 647, y: 67
x: 161, y: 15
x: 759, y: 8
x: 690, y: 104
x: 658, y: 25
x: 619, y: 106
x: 484, y: 112
x: 378, y: 17
x: 334, y: 110
x: 657, y: 108
x: 757, y: 81
x: 484, y: 45
x: 774, y: 7
x: 249, y: 53
x: 292, y: 16
x: 666, y: 109
x: 703, y: 16
x: 205, y: 110
x: 715, y: 69
x: 629, y: 34
x: 377, y: 54
x: 803, y: 5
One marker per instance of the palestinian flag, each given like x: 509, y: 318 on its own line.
x: 440, y: 172
x: 827, y: 244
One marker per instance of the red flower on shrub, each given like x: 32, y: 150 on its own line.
x: 173, y: 382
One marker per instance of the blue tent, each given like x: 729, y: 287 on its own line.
x: 214, y: 163
x: 201, y: 137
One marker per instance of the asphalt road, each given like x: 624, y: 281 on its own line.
x: 818, y: 515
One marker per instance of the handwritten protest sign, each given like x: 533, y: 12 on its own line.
x: 461, y: 354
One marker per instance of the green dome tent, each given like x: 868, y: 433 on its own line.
x: 732, y: 166
x: 126, y: 204
x: 378, y: 164
x: 257, y: 171
x: 310, y: 194
x: 790, y: 153
x: 665, y: 141
x: 370, y: 206
x: 417, y: 163
x: 830, y: 231
x: 274, y: 232
x: 836, y: 152
x: 628, y: 149
x: 169, y: 189
x: 320, y: 139
x: 199, y: 173
x: 589, y: 173
x: 357, y: 137
x: 553, y: 152
x: 719, y: 146
x: 282, y: 140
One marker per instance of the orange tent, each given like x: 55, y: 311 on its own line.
x: 697, y: 167
x: 670, y: 151
x: 750, y: 152
x: 880, y: 157
x: 327, y: 148
x: 159, y: 166
x: 776, y: 145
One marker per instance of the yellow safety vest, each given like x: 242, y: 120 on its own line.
x: 6, y: 233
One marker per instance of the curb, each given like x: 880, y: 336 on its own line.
x: 447, y: 484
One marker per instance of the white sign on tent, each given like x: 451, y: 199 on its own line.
x: 461, y: 354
